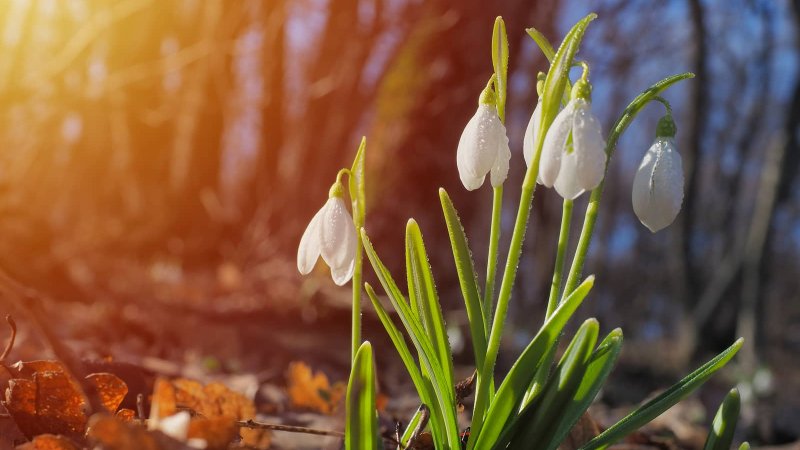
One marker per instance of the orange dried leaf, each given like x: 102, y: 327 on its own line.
x: 211, y: 402
x: 47, y: 404
x: 111, y: 389
x: 49, y: 442
x: 217, y: 432
x: 313, y: 391
x: 163, y: 403
x: 126, y: 415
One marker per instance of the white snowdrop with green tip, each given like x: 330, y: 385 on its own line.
x: 483, y: 148
x: 658, y: 185
x: 332, y: 235
x: 574, y: 166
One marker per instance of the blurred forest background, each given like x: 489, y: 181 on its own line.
x: 163, y: 157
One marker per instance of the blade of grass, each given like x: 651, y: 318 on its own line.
x: 361, y: 426
x: 468, y: 280
x: 421, y: 278
x: 663, y: 402
x: 540, y: 417
x: 724, y: 426
x: 597, y: 370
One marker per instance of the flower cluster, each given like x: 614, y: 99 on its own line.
x: 573, y: 155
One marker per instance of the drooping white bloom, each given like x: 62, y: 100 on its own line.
x: 483, y: 148
x: 575, y: 167
x: 658, y: 185
x: 529, y: 141
x: 332, y: 235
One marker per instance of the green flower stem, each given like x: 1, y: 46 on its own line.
x: 552, y: 302
x: 355, y: 333
x: 590, y: 218
x: 510, y: 272
x: 491, y: 262
x: 558, y: 270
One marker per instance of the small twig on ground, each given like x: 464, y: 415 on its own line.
x: 140, y: 407
x: 11, y: 340
x: 289, y: 428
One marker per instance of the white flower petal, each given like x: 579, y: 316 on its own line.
x: 554, y: 144
x: 499, y: 171
x: 477, y: 147
x: 568, y: 183
x: 582, y: 169
x: 338, y: 234
x: 342, y: 275
x: 309, y: 249
x: 658, y: 185
x: 530, y: 133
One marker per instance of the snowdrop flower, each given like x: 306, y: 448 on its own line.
x: 483, y: 147
x: 658, y: 184
x: 332, y: 235
x: 577, y: 165
x: 532, y: 130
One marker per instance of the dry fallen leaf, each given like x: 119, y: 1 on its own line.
x: 42, y: 398
x: 214, y: 405
x: 313, y: 391
x: 217, y: 432
x: 47, y: 404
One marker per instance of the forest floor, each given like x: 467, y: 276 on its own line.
x: 284, y: 347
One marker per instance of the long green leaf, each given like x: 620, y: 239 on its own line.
x: 557, y: 76
x: 445, y: 394
x: 423, y: 285
x: 361, y: 426
x: 468, y: 280
x: 663, y: 402
x: 511, y: 391
x: 500, y: 63
x: 357, y: 184
x: 541, y: 415
x: 425, y: 390
x: 724, y: 426
x: 597, y: 370
x: 540, y: 39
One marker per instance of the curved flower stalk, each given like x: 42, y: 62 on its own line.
x: 332, y: 235
x: 573, y: 155
x: 483, y: 147
x: 658, y: 184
